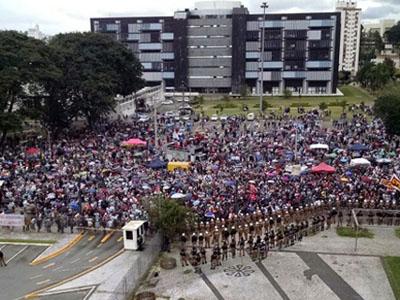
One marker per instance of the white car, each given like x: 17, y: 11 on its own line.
x: 214, y: 117
x: 251, y: 117
x: 167, y: 102
x: 179, y: 99
x: 177, y: 118
x: 170, y: 114
x: 144, y: 119
x: 186, y: 117
x: 223, y: 118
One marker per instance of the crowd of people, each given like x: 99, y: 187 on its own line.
x: 88, y: 179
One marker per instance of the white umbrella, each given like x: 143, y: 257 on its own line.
x: 384, y: 161
x: 359, y: 162
x: 178, y: 196
x: 319, y: 147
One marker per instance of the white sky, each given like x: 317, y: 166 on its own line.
x: 54, y: 16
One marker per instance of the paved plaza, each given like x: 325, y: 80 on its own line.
x: 309, y: 270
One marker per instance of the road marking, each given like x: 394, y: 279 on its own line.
x: 43, y: 282
x: 91, y: 238
x: 2, y: 247
x: 76, y: 260
x: 35, y: 277
x: 19, y: 252
x: 58, y: 268
x: 89, y: 252
x: 120, y: 239
x: 49, y: 265
x: 93, y: 259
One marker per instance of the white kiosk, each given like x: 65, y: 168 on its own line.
x: 133, y: 234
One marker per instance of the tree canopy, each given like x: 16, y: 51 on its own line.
x: 375, y: 76
x: 387, y: 107
x: 393, y: 35
x: 76, y: 75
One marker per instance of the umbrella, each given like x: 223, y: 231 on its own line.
x: 178, y: 196
x: 319, y: 147
x: 134, y: 142
x: 384, y: 161
x: 210, y: 215
x: 358, y: 147
x: 157, y: 164
x: 359, y: 162
x: 323, y: 168
x: 32, y: 151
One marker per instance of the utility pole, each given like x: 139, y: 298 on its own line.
x: 264, y: 6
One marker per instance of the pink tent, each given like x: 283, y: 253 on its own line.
x: 134, y: 142
x: 32, y: 151
x: 323, y: 168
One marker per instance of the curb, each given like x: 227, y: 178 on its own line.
x: 107, y: 237
x: 58, y: 252
x: 36, y: 294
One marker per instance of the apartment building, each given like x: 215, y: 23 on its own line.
x: 216, y: 48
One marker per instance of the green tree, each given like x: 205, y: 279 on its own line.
x: 391, y: 66
x: 244, y: 91
x: 287, y: 93
x: 169, y: 216
x: 375, y: 77
x: 94, y: 69
x: 25, y: 66
x: 323, y: 106
x: 343, y: 104
x: 387, y: 107
x: 393, y: 35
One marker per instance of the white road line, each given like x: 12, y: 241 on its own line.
x: 43, y: 282
x: 76, y: 260
x: 93, y: 259
x: 3, y: 247
x: 35, y: 277
x: 89, y: 252
x: 19, y: 252
x: 49, y: 265
x: 58, y: 268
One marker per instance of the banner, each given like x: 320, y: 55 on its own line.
x: 12, y: 220
x: 395, y: 182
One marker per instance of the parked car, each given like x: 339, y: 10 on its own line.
x: 167, y: 102
x: 223, y: 118
x: 214, y: 117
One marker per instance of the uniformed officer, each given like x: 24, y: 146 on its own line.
x: 224, y: 251
x: 207, y: 237
x: 184, y: 258
x: 241, y: 245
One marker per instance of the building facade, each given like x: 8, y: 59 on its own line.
x: 381, y: 27
x: 350, y: 35
x: 216, y: 48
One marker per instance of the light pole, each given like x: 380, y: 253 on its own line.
x: 264, y: 6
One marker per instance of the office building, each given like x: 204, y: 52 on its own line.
x: 381, y: 27
x: 350, y: 35
x: 215, y: 48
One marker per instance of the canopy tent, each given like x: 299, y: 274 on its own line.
x: 178, y: 165
x: 178, y: 196
x: 358, y: 147
x: 157, y: 164
x: 133, y: 142
x: 323, y: 168
x: 356, y: 162
x: 319, y: 147
x: 32, y: 151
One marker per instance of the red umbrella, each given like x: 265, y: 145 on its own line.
x: 323, y: 168
x: 32, y: 151
x: 134, y: 142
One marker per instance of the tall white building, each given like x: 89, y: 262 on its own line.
x: 350, y: 35
x: 36, y: 33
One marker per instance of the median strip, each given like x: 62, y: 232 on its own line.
x: 60, y: 251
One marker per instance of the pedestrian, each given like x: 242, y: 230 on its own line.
x: 184, y: 259
x: 2, y: 260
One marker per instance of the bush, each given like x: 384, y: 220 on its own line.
x: 225, y: 105
x: 287, y: 94
x: 300, y: 104
x: 323, y: 106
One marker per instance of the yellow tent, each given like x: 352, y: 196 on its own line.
x: 178, y: 165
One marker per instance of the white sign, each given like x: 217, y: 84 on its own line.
x: 12, y: 220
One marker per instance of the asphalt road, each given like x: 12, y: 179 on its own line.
x: 19, y: 278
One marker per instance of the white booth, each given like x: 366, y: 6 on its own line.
x: 134, y: 235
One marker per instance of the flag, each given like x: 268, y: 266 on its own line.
x: 395, y: 182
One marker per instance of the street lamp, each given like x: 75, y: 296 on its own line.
x: 264, y: 6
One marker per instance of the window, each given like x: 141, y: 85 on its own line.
x: 129, y: 235
x: 112, y: 27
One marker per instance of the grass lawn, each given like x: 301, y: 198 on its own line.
x: 353, y: 95
x: 27, y: 241
x: 397, y: 231
x: 350, y: 232
x: 392, y: 268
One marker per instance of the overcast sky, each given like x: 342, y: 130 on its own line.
x: 54, y: 16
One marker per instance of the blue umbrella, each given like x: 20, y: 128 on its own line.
x: 358, y: 147
x: 210, y: 214
x: 157, y: 164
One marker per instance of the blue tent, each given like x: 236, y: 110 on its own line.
x: 157, y: 164
x: 358, y: 147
